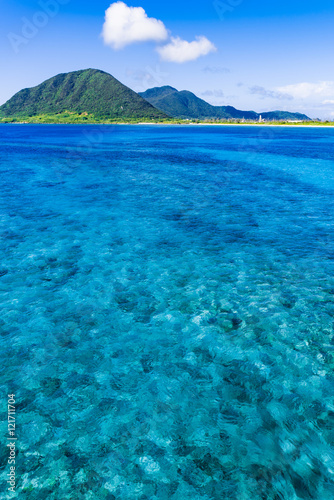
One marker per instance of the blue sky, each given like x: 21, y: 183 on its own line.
x: 252, y: 54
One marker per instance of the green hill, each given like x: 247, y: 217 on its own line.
x: 284, y: 115
x: 187, y: 105
x: 90, y: 93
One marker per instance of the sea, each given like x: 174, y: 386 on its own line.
x: 167, y: 302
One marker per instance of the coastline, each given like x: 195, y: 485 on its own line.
x: 290, y: 125
x: 235, y: 124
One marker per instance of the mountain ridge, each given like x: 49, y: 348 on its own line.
x: 186, y: 105
x: 95, y: 96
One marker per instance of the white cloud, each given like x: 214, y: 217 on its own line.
x: 180, y: 51
x: 126, y: 25
x: 327, y: 101
x: 273, y: 94
x: 305, y: 90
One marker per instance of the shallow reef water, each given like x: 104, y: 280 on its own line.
x: 167, y: 301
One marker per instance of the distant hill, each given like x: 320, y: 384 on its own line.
x: 91, y: 91
x: 284, y: 115
x: 187, y: 105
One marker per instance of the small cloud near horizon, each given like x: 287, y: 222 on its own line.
x: 273, y: 94
x: 305, y: 90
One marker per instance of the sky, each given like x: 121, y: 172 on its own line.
x: 252, y: 54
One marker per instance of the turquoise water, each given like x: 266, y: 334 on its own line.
x: 167, y: 300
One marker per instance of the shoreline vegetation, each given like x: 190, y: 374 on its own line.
x: 71, y: 118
